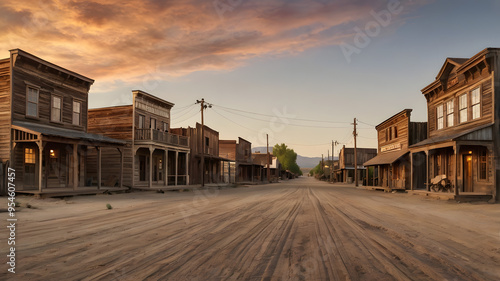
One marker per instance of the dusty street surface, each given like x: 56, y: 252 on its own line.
x: 296, y: 230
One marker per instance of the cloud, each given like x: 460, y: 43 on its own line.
x: 113, y: 40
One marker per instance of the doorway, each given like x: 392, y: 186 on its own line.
x: 142, y: 168
x: 467, y: 160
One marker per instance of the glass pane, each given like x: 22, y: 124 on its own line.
x: 56, y: 102
x: 463, y: 115
x: 33, y: 95
x: 475, y: 96
x: 76, y: 118
x: 476, y: 111
x: 440, y: 123
x: 449, y: 106
x: 76, y: 107
x: 440, y: 111
x: 31, y: 109
x: 56, y: 114
x: 463, y: 101
x: 449, y: 121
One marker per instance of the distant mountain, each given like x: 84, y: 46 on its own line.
x: 302, y: 161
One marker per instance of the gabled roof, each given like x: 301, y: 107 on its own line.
x: 449, y: 64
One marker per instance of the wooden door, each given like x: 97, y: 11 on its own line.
x: 468, y: 173
x: 142, y: 168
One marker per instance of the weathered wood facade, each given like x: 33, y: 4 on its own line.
x: 241, y: 153
x: 463, y: 106
x: 345, y: 172
x: 390, y: 169
x: 209, y: 147
x: 275, y: 167
x: 43, y: 124
x: 152, y: 155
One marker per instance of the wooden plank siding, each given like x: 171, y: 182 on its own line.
x: 114, y: 122
x: 5, y: 110
x: 50, y: 83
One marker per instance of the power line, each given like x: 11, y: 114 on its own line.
x: 267, y: 115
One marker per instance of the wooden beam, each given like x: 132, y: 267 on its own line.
x: 457, y: 167
x: 122, y: 158
x: 411, y: 171
x: 176, y: 165
x: 427, y: 171
x: 40, y: 159
x: 75, y: 166
x: 165, y: 167
x: 187, y: 168
x: 150, y: 180
x: 99, y: 166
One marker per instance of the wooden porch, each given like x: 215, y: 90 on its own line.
x: 462, y: 197
x: 69, y: 191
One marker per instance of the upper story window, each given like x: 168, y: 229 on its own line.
x: 152, y: 125
x: 450, y: 109
x: 165, y: 127
x: 77, y: 113
x: 476, y: 103
x: 32, y: 102
x: 440, y: 117
x: 395, y: 131
x: 55, y: 115
x: 462, y: 104
x: 141, y: 122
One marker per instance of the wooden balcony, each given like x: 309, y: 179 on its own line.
x: 161, y: 137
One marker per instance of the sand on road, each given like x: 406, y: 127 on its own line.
x: 301, y: 229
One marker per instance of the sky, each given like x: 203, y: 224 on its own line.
x: 299, y: 71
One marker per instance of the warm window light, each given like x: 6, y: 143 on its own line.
x: 470, y: 152
x: 52, y: 153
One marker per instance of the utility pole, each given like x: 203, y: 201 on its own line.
x: 327, y: 160
x: 204, y: 105
x: 322, y: 164
x: 355, y: 155
x: 268, y: 161
x: 333, y: 159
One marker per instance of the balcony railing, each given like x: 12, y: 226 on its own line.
x: 162, y: 137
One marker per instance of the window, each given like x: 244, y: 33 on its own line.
x: 152, y: 125
x: 207, y: 141
x: 395, y: 132
x: 386, y: 134
x: 476, y: 103
x: 483, y: 165
x: 29, y: 156
x: 395, y: 172
x: 56, y: 109
x: 463, y: 108
x: 440, y: 117
x: 32, y: 102
x: 77, y: 109
x: 390, y: 133
x: 165, y: 127
x: 450, y: 109
x: 141, y: 122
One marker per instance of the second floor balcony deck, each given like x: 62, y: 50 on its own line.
x: 153, y: 135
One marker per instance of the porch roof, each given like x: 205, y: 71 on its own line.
x: 481, y: 133
x: 386, y: 158
x: 64, y: 133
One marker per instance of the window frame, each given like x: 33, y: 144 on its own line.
x: 439, y: 118
x: 463, y: 109
x: 37, y: 89
x: 52, y: 97
x: 450, y: 113
x: 32, y: 155
x: 472, y: 104
x: 480, y: 162
x: 141, y: 125
x: 165, y: 127
x: 151, y: 119
x: 73, y: 112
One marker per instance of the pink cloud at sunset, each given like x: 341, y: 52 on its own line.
x: 125, y: 40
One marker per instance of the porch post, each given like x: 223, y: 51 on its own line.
x: 40, y: 164
x: 427, y: 187
x: 176, y: 165
x: 411, y: 171
x: 380, y: 183
x: 165, y: 169
x: 122, y: 156
x: 99, y: 167
x: 457, y: 153
x: 150, y: 179
x: 75, y: 166
x: 389, y: 177
x: 187, y: 168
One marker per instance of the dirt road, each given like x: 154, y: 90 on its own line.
x: 297, y: 230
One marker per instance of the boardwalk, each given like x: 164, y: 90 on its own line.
x: 296, y: 230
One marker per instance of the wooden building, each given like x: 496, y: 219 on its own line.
x: 390, y: 169
x: 463, y: 111
x: 241, y: 153
x: 153, y: 156
x: 275, y: 165
x: 209, y: 146
x: 345, y: 172
x: 43, y: 125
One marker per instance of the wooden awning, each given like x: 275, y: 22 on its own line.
x: 50, y: 131
x: 386, y: 158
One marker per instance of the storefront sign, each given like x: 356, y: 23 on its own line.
x: 391, y: 147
